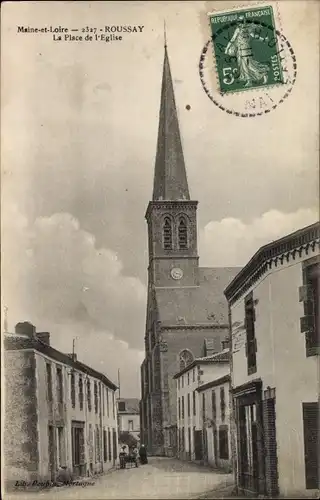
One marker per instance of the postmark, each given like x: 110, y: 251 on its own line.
x: 253, y: 76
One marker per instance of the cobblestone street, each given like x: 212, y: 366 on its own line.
x: 161, y: 478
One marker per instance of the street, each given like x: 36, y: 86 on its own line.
x: 161, y: 478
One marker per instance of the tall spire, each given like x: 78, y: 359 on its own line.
x: 170, y: 178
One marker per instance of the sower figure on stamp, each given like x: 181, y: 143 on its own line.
x: 240, y: 46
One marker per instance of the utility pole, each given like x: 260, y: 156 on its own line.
x: 119, y: 381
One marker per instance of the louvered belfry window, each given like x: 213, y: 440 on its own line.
x: 182, y: 234
x: 167, y: 234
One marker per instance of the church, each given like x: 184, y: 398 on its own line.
x: 187, y: 313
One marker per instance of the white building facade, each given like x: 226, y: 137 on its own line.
x: 58, y: 411
x: 194, y: 414
x: 129, y: 417
x: 274, y: 306
x: 214, y: 404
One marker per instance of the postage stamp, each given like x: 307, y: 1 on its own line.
x: 248, y: 66
x: 246, y: 49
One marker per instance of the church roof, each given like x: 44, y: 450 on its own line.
x: 170, y: 178
x: 198, y: 305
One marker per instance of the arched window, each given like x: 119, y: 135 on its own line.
x: 167, y: 234
x: 182, y: 234
x: 185, y: 358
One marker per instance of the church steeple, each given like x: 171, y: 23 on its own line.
x: 170, y: 178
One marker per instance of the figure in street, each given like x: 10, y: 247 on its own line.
x: 143, y: 454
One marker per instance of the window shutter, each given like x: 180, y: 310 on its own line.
x: 306, y: 323
x: 305, y: 293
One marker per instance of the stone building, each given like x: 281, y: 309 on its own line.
x: 59, y: 412
x: 185, y: 302
x: 274, y: 305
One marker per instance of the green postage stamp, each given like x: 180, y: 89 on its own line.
x: 246, y: 49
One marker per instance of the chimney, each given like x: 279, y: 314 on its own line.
x: 25, y: 328
x: 225, y: 344
x: 73, y: 356
x: 44, y: 337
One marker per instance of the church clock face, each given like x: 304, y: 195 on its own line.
x: 176, y: 273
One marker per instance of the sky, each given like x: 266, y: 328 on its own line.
x: 79, y: 131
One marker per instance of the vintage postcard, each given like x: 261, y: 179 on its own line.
x: 160, y: 257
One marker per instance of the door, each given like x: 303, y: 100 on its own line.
x: 114, y: 434
x: 311, y: 444
x: 52, y: 452
x: 78, y: 451
x: 215, y: 445
x: 197, y: 435
x: 189, y: 443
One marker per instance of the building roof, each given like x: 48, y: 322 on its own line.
x: 132, y: 405
x: 214, y: 383
x: 273, y: 252
x: 170, y: 178
x: 198, y: 305
x: 23, y: 342
x: 219, y: 357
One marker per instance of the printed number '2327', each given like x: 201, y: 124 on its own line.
x: 228, y: 75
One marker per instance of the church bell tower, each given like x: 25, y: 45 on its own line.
x: 171, y: 215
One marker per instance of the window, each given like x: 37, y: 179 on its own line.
x: 59, y: 385
x: 105, y: 450
x: 185, y: 358
x: 89, y: 395
x: 113, y: 412
x: 194, y: 375
x: 222, y: 403
x: 223, y: 442
x: 203, y: 406
x: 182, y: 439
x: 178, y: 383
x: 167, y: 234
x: 188, y: 378
x: 188, y: 404
x: 179, y: 408
x: 194, y: 403
x: 182, y: 234
x: 95, y: 397
x: 251, y: 345
x: 214, y: 405
x: 130, y: 425
x: 108, y: 411
x: 122, y: 406
x: 182, y: 406
x: 311, y: 415
x: 182, y: 381
x: 81, y: 393
x: 73, y: 391
x: 309, y: 295
x: 49, y: 382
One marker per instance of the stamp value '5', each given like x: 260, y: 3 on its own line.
x: 246, y: 49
